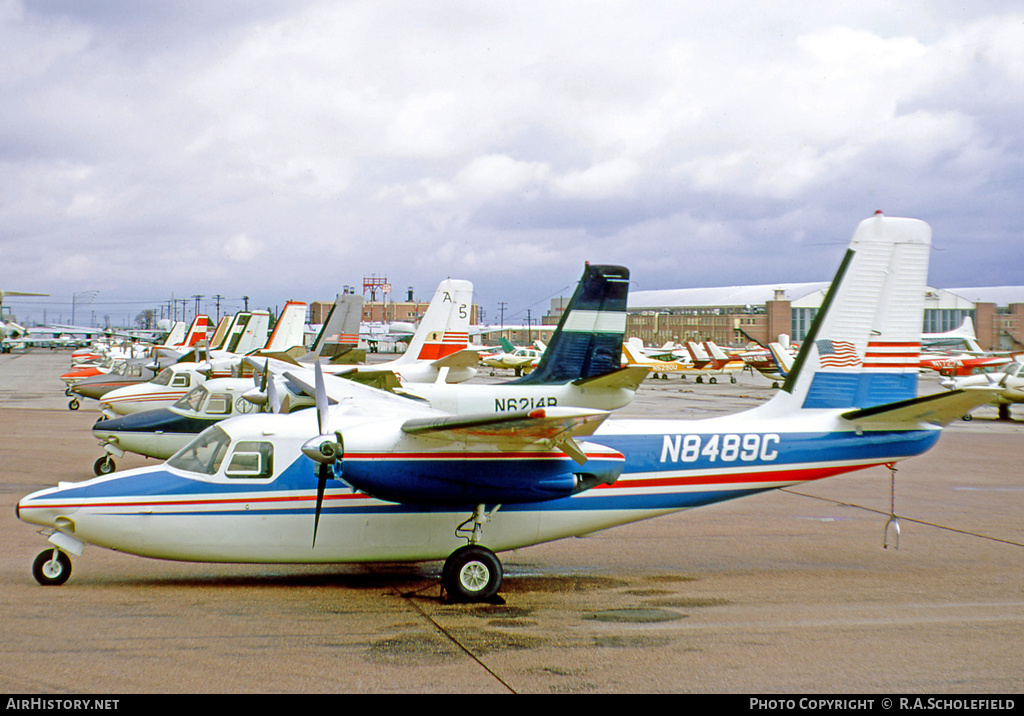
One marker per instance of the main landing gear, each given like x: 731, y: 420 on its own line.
x: 472, y: 573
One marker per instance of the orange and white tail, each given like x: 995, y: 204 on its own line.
x: 290, y: 329
x: 201, y: 326
x: 444, y: 329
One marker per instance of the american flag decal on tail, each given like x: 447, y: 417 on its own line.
x: 837, y: 354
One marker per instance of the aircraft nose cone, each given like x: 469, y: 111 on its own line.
x: 41, y: 509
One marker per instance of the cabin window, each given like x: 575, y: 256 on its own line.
x: 218, y: 404
x: 251, y: 459
x: 180, y: 381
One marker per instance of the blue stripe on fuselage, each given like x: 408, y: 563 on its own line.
x: 654, y: 456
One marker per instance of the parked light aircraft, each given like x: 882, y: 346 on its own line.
x: 774, y: 362
x: 963, y: 363
x: 1008, y: 386
x: 439, y: 350
x: 374, y: 333
x: 708, y: 359
x: 12, y: 335
x: 634, y: 355
x: 121, y: 373
x: 520, y: 360
x: 581, y: 369
x: 377, y: 477
x: 248, y: 333
x: 162, y: 431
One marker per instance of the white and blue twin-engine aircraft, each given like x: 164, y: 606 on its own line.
x: 374, y: 477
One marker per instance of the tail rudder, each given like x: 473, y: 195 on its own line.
x: 633, y: 352
x: 444, y: 328
x: 197, y: 331
x: 253, y: 335
x: 782, y: 358
x: 588, y: 341
x: 289, y: 330
x: 176, y: 336
x: 698, y: 355
x: 220, y: 334
x: 863, y: 347
x: 339, y: 334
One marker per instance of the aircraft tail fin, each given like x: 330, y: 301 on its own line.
x: 506, y: 344
x: 698, y: 355
x: 201, y: 325
x: 176, y: 336
x: 253, y: 334
x: 289, y: 331
x: 444, y: 328
x: 220, y: 335
x: 633, y: 355
x: 339, y: 336
x: 588, y: 341
x: 783, y: 358
x: 863, y: 347
x: 716, y: 352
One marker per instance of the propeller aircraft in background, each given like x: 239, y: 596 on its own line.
x: 581, y: 369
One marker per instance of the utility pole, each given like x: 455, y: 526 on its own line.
x: 501, y: 307
x: 218, y: 298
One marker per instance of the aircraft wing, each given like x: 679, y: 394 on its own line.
x: 628, y: 378
x: 938, y: 409
x: 338, y: 388
x: 552, y: 426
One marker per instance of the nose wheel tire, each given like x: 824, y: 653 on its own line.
x: 51, y: 572
x: 472, y: 574
x: 104, y: 466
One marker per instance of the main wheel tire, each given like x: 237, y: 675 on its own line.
x: 472, y: 574
x: 51, y: 572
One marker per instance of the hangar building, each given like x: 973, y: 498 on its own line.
x: 739, y: 315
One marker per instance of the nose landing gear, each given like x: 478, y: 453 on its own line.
x: 51, y: 567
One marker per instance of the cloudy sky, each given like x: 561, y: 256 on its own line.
x: 283, y: 149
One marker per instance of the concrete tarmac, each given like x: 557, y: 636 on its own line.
x: 785, y: 592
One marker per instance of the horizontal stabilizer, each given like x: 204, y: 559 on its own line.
x: 628, y: 378
x: 938, y: 409
x: 288, y: 356
x: 466, y: 358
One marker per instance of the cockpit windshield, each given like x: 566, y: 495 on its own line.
x: 163, y: 377
x: 204, y: 454
x: 192, y: 400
